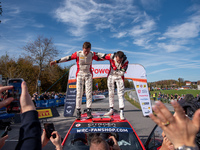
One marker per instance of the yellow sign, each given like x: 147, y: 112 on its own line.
x: 82, y: 57
x: 44, y: 113
x: 72, y: 86
x: 144, y: 85
x: 137, y: 86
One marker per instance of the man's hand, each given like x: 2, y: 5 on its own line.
x: 179, y: 129
x: 2, y: 141
x: 115, y: 146
x: 56, y: 141
x: 166, y: 144
x: 52, y: 63
x: 44, y: 139
x: 6, y: 101
x: 25, y: 99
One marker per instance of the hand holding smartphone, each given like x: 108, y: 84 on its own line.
x: 15, y: 92
x: 49, y: 128
x: 5, y: 132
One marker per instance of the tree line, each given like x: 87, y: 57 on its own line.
x: 23, y: 67
x: 172, y: 83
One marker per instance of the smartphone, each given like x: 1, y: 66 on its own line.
x: 15, y: 92
x: 5, y: 132
x: 49, y: 128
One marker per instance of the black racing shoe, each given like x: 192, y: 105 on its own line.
x: 89, y: 113
x: 78, y: 117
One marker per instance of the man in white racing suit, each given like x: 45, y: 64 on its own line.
x: 83, y: 75
x: 118, y: 66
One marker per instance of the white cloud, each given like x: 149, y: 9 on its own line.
x: 178, y: 37
x: 150, y: 4
x: 124, y: 43
x: 38, y: 25
x: 170, y: 47
x: 189, y: 29
x: 186, y: 30
x: 145, y: 27
x: 161, y: 38
x: 161, y: 70
x: 120, y: 34
x: 102, y: 26
x: 140, y: 41
x: 76, y: 15
x: 12, y: 10
x: 81, y: 17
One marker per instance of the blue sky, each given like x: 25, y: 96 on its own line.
x: 161, y: 35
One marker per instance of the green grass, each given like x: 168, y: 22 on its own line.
x: 136, y: 104
x: 179, y: 92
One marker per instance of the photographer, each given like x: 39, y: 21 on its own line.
x: 30, y: 130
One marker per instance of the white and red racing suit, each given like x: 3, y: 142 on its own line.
x: 83, y: 74
x: 116, y: 74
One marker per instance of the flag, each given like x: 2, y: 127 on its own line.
x: 96, y: 85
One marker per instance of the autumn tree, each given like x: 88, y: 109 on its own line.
x: 27, y: 71
x: 57, y: 80
x: 180, y: 82
x: 42, y: 50
x: 102, y: 83
x: 126, y: 83
x: 8, y: 67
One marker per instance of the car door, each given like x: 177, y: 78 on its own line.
x: 154, y: 141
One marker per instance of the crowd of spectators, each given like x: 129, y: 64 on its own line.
x: 99, y: 92
x: 57, y: 95
x: 47, y: 95
x: 167, y: 98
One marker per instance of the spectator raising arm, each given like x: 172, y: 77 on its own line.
x: 30, y: 130
x: 179, y: 129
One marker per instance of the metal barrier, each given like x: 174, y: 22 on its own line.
x: 50, y: 103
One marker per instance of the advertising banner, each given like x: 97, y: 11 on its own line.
x: 70, y: 99
x: 135, y: 72
x: 143, y: 96
x: 44, y: 113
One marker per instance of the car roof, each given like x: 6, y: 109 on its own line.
x: 98, y: 116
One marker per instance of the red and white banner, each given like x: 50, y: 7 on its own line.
x: 135, y: 72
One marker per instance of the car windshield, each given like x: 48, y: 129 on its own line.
x: 155, y: 139
x: 77, y: 141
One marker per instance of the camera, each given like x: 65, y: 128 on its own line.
x: 110, y: 142
x: 49, y: 128
x: 15, y: 92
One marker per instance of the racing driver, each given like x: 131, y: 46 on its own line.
x: 83, y: 75
x: 118, y: 66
